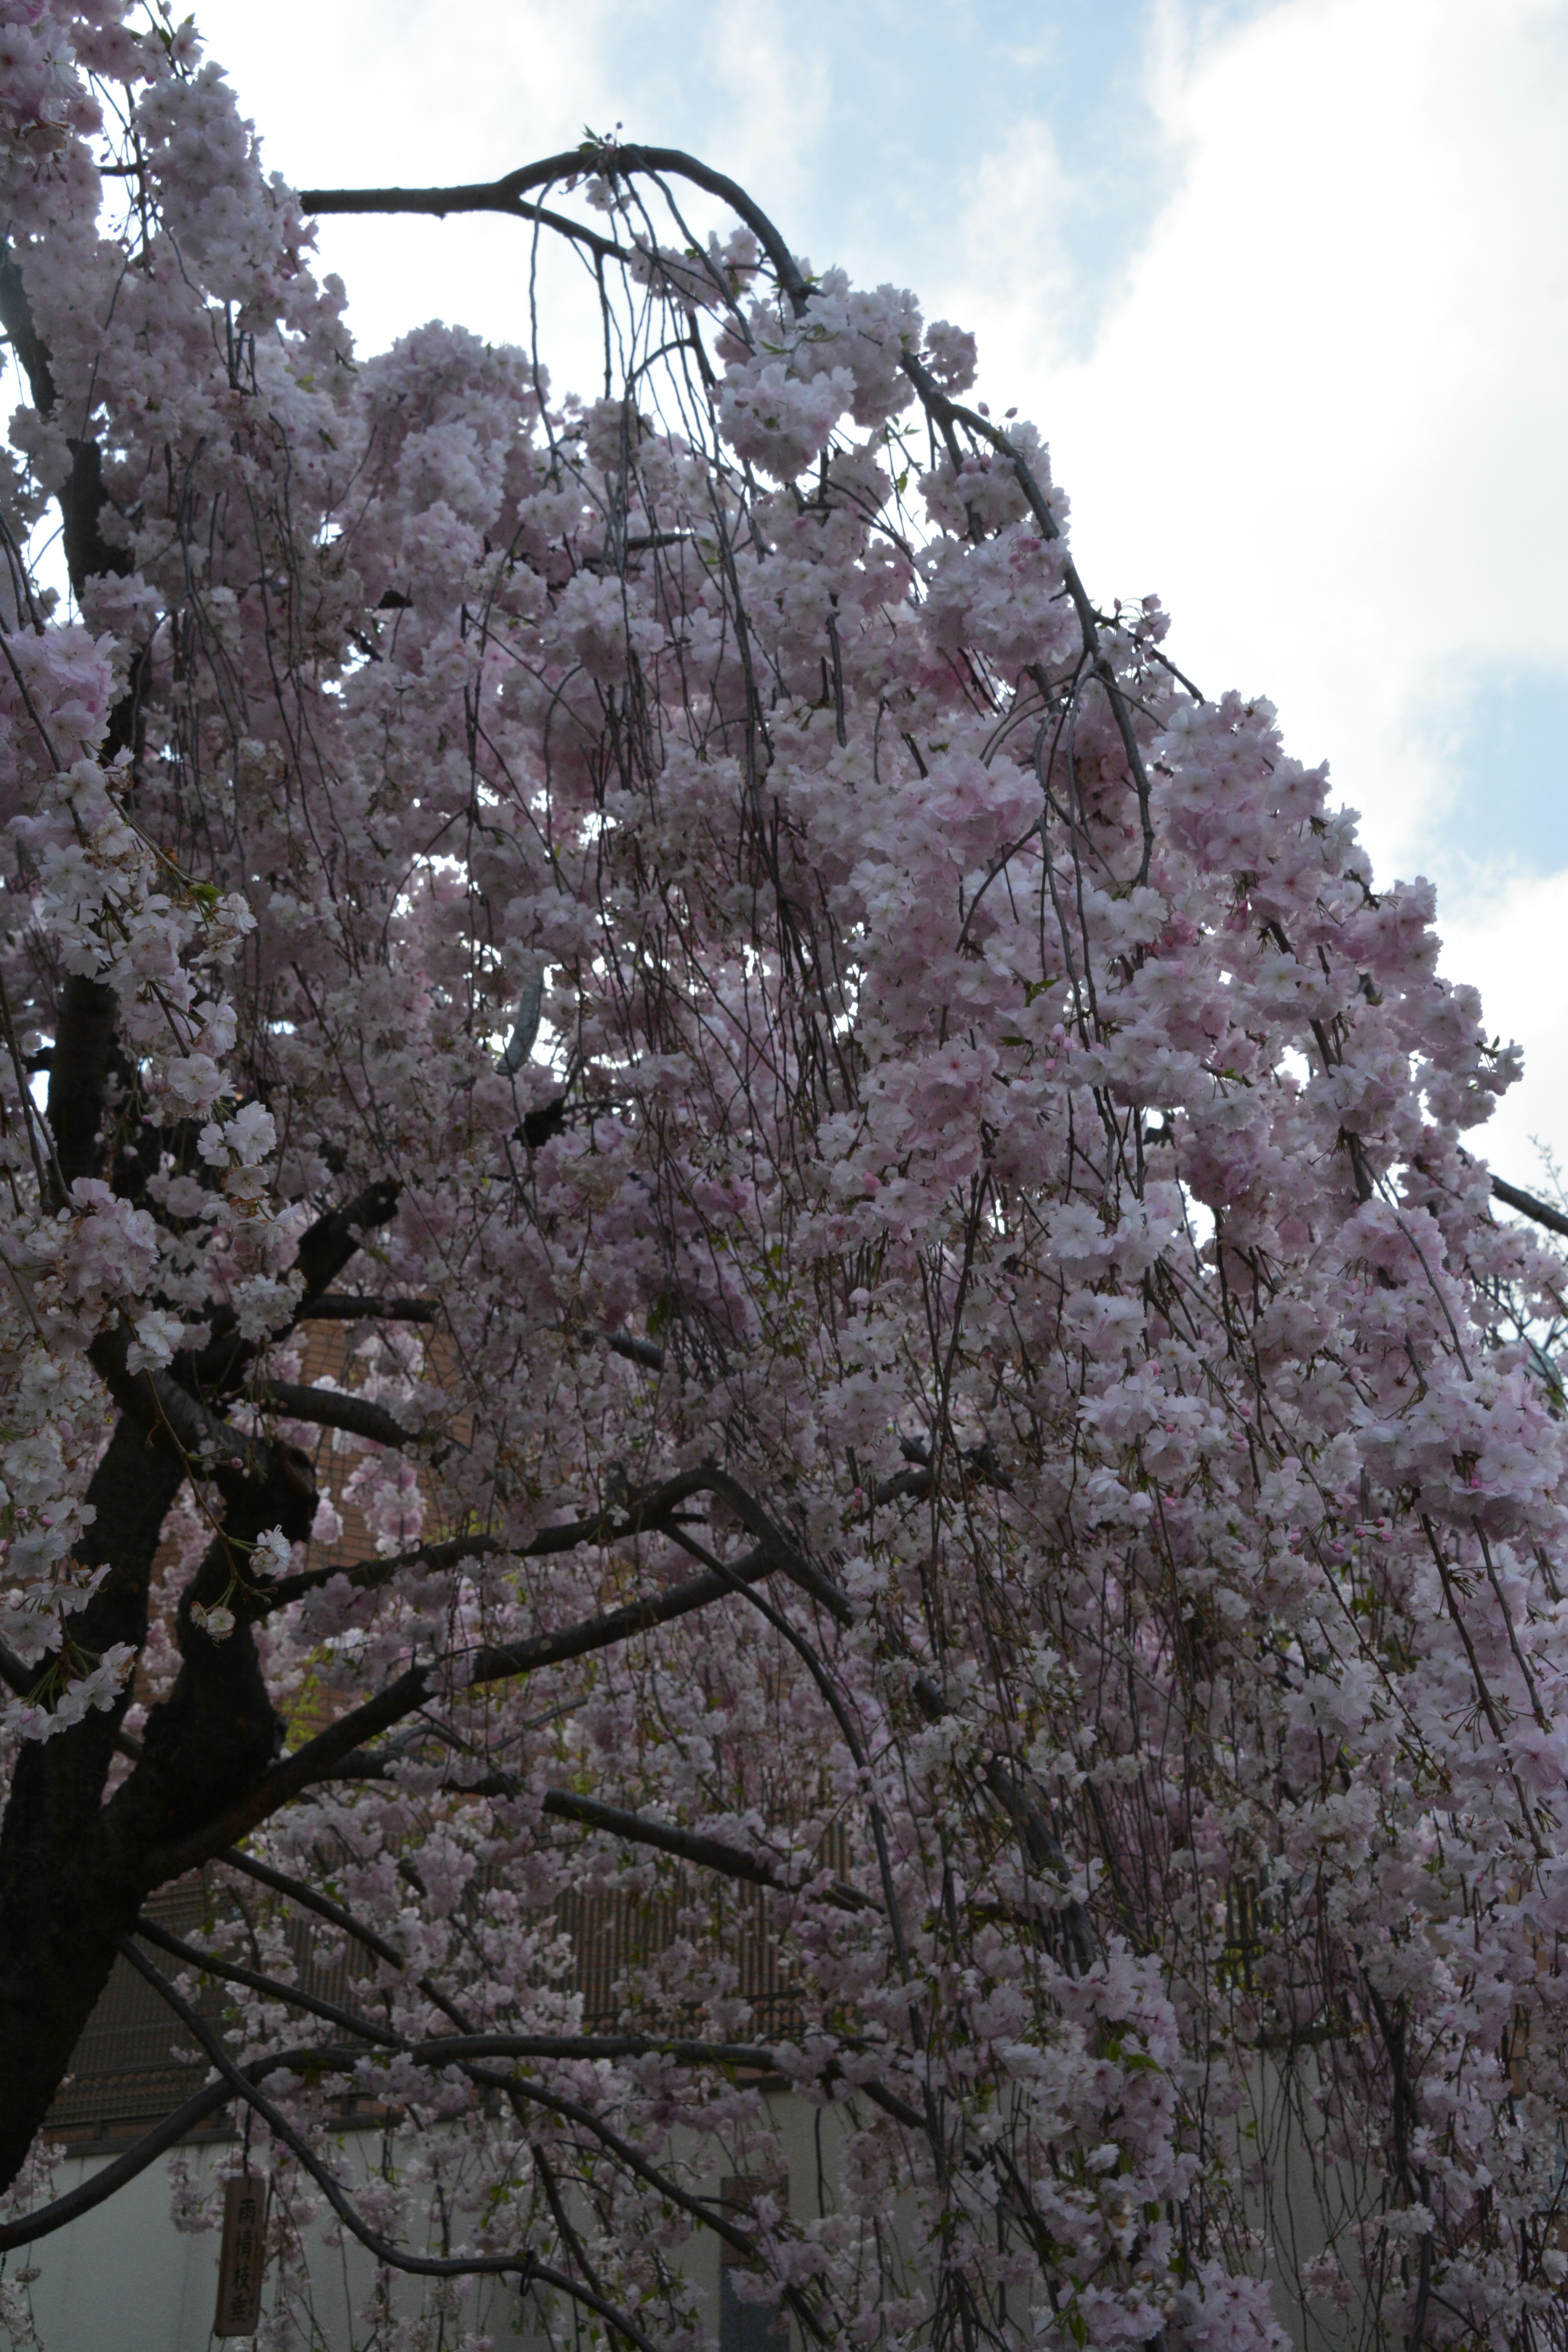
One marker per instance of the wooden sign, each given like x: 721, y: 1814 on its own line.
x: 243, y: 2257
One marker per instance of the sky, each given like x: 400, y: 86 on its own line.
x: 1284, y: 284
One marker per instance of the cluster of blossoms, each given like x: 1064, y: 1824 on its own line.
x: 929, y: 1341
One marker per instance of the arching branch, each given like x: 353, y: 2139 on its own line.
x: 383, y: 2248
x: 1528, y: 1205
x: 611, y: 162
x: 491, y: 196
x: 295, y: 1996
x: 420, y: 1685
x: 27, y: 2229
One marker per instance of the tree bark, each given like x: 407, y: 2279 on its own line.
x: 74, y: 1871
x: 65, y: 1894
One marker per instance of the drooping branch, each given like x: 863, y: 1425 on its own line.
x: 446, y: 2049
x: 488, y: 196
x: 469, y: 2051
x: 310, y: 1899
x: 647, y: 1352
x: 610, y: 161
x: 1528, y: 1205
x: 938, y: 405
x: 686, y: 1845
x: 771, y: 1538
x: 383, y: 2247
x: 296, y: 1891
x: 27, y: 2229
x: 644, y: 1515
x: 464, y: 2052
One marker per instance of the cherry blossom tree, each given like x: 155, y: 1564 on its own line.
x: 923, y: 1347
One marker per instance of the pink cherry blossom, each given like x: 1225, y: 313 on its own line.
x: 736, y: 1220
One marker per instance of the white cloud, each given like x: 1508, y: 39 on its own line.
x: 1014, y: 282
x: 1511, y: 939
x: 766, y: 80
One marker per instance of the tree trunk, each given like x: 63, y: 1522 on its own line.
x: 62, y: 1899
x: 74, y: 1871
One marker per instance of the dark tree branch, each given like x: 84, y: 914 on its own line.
x: 495, y: 196
x: 466, y: 2045
x: 336, y: 1237
x: 326, y: 1247
x: 336, y: 1408
x: 636, y: 2163
x: 370, y: 1575
x: 28, y: 2227
x: 446, y: 2050
x: 644, y: 1516
x: 420, y: 1685
x: 614, y: 1820
x: 772, y: 1538
x: 463, y: 2051
x: 1528, y: 1205
x: 688, y: 1845
x: 310, y: 1899
x: 711, y: 1854
x: 213, y: 1964
x: 322, y: 1905
x: 612, y: 163
x: 647, y: 1352
x: 383, y: 2248
x: 620, y: 1624
x: 343, y: 1306
x: 1047, y: 1857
